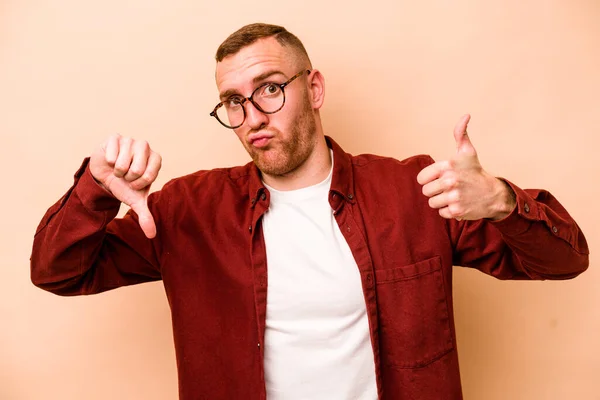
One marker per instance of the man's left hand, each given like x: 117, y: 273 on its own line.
x: 460, y: 188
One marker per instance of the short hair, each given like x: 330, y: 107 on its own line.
x: 249, y: 34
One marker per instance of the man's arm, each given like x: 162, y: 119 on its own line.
x: 499, y: 228
x: 537, y: 240
x: 79, y: 248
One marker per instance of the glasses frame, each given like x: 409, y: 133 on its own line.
x: 243, y: 100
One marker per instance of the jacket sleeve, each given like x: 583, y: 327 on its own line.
x: 80, y: 248
x: 538, y: 240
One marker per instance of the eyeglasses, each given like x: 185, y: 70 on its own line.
x: 268, y: 98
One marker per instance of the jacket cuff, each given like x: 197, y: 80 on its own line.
x: 93, y: 196
x: 522, y: 216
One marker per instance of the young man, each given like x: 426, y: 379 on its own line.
x: 308, y: 273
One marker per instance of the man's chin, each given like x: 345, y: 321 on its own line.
x: 271, y: 167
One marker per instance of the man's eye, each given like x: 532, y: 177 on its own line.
x: 233, y: 102
x: 271, y: 89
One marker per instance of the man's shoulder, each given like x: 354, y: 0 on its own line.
x: 212, y: 179
x: 388, y: 177
x: 375, y: 163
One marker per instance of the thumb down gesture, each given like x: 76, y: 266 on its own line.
x: 126, y: 168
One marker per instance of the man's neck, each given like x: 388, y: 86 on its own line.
x: 314, y: 170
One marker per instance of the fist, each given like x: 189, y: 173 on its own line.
x: 460, y: 188
x: 126, y: 168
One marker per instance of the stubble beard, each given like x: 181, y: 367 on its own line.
x: 289, y: 155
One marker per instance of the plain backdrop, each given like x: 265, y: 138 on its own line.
x: 399, y: 74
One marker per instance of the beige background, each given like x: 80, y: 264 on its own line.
x: 399, y: 75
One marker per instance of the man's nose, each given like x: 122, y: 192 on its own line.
x: 254, y: 117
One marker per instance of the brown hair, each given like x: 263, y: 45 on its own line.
x: 249, y: 34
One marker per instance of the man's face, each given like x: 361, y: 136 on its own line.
x: 278, y: 143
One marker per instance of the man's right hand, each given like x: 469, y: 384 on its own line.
x: 126, y: 168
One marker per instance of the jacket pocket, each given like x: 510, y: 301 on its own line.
x: 413, y: 314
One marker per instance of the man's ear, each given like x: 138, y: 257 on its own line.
x: 316, y: 82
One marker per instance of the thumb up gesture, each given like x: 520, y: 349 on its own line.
x: 126, y: 168
x: 460, y: 188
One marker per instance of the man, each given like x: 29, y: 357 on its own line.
x: 308, y: 273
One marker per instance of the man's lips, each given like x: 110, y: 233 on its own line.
x: 259, y: 139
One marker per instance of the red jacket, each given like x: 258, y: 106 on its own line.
x: 210, y: 253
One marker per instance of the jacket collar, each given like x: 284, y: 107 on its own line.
x: 341, y: 180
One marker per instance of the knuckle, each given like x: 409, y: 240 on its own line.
x: 120, y: 170
x: 450, y: 181
x: 455, y: 210
x: 110, y: 158
x: 455, y: 196
x: 121, y: 167
x: 142, y: 145
x: 155, y: 162
x: 139, y: 184
x: 149, y: 176
x: 135, y: 171
x: 146, y: 178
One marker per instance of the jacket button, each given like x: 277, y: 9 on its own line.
x: 350, y: 196
x: 554, y: 229
x: 250, y: 229
x: 526, y: 207
x: 263, y: 196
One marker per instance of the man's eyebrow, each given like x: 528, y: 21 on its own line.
x: 266, y: 75
x: 259, y: 78
x: 227, y: 94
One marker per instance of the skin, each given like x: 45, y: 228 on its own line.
x: 460, y: 188
x: 296, y: 154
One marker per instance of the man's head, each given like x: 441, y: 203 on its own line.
x: 260, y: 54
x: 249, y: 34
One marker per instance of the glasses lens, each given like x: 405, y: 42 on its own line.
x: 269, y: 97
x: 231, y: 113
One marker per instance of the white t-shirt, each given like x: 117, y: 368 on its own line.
x: 317, y: 341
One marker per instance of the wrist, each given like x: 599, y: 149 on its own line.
x: 102, y: 185
x: 506, y: 201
